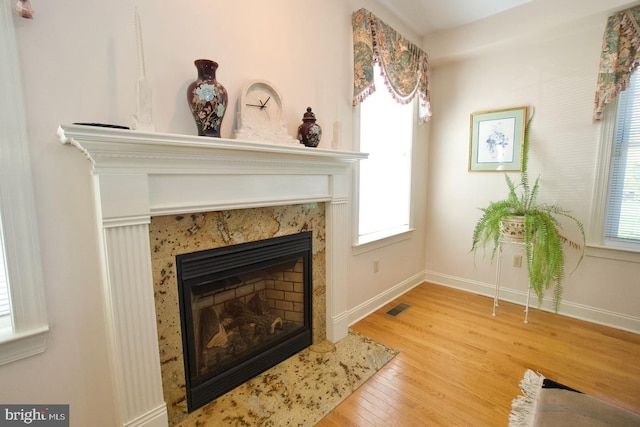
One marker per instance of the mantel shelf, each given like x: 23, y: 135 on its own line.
x: 119, y: 147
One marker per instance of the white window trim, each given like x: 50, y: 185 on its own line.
x: 401, y: 234
x: 17, y: 209
x: 360, y: 248
x: 596, y: 246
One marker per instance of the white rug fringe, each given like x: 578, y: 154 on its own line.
x: 523, y: 408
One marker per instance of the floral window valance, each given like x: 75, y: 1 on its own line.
x: 404, y: 65
x: 620, y: 57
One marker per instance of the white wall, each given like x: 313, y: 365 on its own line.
x: 553, y: 68
x: 78, y: 63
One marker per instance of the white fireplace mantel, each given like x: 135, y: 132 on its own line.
x: 138, y: 175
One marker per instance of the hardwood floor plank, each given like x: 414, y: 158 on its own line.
x: 379, y: 410
x: 460, y: 366
x: 397, y: 392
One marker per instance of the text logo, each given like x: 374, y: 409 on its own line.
x: 34, y: 415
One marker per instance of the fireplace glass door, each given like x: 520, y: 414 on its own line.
x: 243, y: 308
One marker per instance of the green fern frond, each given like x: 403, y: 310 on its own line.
x: 533, y: 195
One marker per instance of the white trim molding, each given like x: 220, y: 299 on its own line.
x: 137, y: 175
x: 570, y: 309
x: 366, y: 308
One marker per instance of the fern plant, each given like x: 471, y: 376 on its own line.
x: 544, y: 244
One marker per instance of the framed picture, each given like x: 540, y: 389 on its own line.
x: 496, y: 140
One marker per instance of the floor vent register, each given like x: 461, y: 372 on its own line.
x: 398, y: 309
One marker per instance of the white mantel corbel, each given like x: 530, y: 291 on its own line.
x: 138, y: 175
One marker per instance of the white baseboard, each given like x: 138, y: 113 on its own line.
x: 157, y: 417
x: 338, y: 327
x: 591, y: 314
x: 368, y: 307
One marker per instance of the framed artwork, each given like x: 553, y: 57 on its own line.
x: 496, y: 140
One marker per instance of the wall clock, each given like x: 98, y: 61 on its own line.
x: 261, y: 114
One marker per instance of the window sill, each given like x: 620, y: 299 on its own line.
x: 18, y: 346
x: 360, y: 248
x: 619, y: 254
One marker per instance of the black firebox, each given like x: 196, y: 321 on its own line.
x: 243, y: 309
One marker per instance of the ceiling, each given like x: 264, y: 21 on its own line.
x: 428, y: 16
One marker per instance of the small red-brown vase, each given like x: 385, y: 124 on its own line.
x: 309, y: 132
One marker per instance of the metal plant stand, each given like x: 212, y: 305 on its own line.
x: 513, y: 246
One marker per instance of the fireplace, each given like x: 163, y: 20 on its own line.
x: 243, y: 309
x: 138, y: 176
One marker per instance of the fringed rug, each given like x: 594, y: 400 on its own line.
x: 547, y: 403
x: 301, y: 390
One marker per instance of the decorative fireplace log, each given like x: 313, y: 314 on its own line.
x: 221, y: 339
x: 264, y: 321
x: 239, y: 327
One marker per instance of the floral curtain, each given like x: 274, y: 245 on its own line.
x: 404, y: 65
x: 620, y: 57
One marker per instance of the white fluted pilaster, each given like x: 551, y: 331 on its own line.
x: 132, y: 322
x: 337, y: 222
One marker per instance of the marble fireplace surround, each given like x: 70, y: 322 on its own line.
x: 137, y: 175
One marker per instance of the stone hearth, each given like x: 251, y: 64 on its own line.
x: 138, y: 175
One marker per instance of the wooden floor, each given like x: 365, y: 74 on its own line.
x: 459, y: 366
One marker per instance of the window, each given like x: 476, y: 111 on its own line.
x: 386, y: 132
x: 623, y: 201
x: 617, y: 216
x: 23, y: 325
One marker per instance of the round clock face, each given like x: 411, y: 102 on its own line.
x: 260, y: 105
